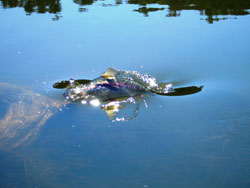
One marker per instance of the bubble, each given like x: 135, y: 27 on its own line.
x: 95, y: 102
x: 84, y: 102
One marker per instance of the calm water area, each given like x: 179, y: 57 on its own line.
x: 193, y: 141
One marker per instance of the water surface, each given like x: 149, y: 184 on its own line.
x: 199, y: 140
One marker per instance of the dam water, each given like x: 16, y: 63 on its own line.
x: 199, y: 140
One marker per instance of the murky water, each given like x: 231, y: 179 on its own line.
x: 199, y: 140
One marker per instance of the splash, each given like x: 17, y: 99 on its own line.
x: 116, y: 89
x: 115, y: 84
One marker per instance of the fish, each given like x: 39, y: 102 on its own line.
x: 115, y: 89
x: 114, y: 83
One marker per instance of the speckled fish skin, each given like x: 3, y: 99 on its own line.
x: 114, y: 84
x: 105, y: 89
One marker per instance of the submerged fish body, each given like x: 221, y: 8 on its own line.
x: 24, y: 113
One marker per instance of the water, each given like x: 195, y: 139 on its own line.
x: 199, y: 140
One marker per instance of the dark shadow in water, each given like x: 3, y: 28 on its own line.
x: 215, y: 10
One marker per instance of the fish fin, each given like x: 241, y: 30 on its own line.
x: 61, y: 85
x: 181, y: 91
x: 112, y: 108
x: 122, y: 109
x: 66, y: 84
x: 109, y: 73
x: 110, y: 114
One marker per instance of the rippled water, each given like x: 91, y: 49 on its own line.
x: 199, y: 140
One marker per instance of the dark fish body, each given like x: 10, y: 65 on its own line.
x: 104, y: 89
x: 115, y: 84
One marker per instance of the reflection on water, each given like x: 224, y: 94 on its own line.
x: 30, y: 6
x: 211, y: 8
x: 214, y: 10
x: 199, y: 140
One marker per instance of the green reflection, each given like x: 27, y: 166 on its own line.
x: 84, y: 2
x: 215, y: 10
x: 146, y: 10
x: 30, y: 6
x: 211, y: 8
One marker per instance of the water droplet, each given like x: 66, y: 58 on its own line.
x: 84, y: 102
x: 95, y: 102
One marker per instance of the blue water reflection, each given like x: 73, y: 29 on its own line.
x: 199, y: 140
